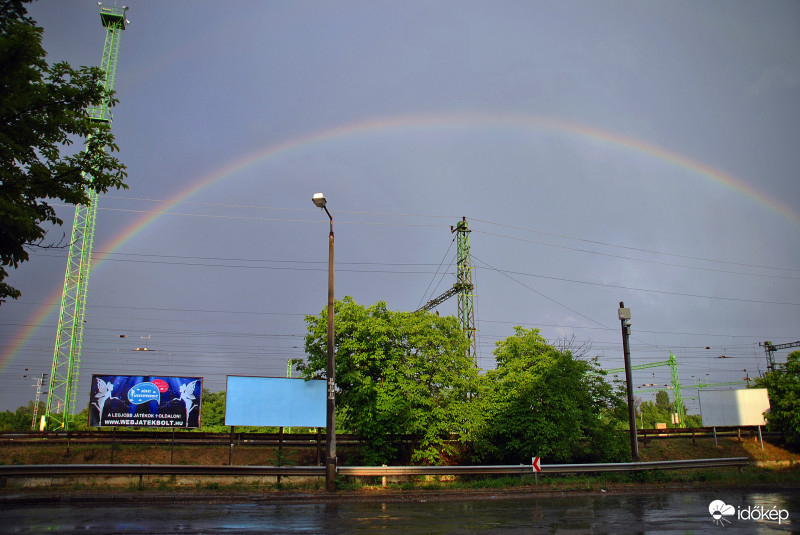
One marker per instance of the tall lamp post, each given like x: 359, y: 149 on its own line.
x: 330, y: 421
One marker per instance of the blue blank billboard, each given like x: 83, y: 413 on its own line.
x: 275, y: 402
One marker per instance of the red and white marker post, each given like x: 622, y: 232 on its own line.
x: 536, y: 466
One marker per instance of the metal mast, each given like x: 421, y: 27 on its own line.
x: 676, y: 387
x: 676, y: 383
x: 63, y: 387
x: 466, y: 291
x: 770, y: 349
x: 464, y: 288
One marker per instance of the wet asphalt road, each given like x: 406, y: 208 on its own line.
x: 651, y: 512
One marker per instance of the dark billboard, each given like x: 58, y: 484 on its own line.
x: 145, y: 401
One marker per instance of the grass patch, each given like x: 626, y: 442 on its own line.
x: 595, y: 482
x: 621, y: 482
x: 655, y: 450
x: 164, y: 485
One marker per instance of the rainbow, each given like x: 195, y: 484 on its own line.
x: 398, y: 123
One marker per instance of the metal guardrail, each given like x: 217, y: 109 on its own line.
x: 705, y: 432
x: 720, y: 430
x: 183, y: 437
x: 522, y: 469
x: 59, y: 470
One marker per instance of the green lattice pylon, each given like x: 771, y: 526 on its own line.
x: 676, y: 387
x: 676, y: 383
x: 63, y: 388
x: 466, y: 287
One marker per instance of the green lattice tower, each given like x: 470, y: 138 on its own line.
x: 676, y: 383
x: 63, y: 387
x: 676, y: 387
x: 466, y: 287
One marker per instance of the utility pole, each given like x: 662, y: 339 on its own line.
x: 466, y: 294
x: 625, y: 321
x: 39, y: 383
x: 464, y: 288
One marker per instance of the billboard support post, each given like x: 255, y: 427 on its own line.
x: 230, y: 451
x: 319, y: 447
x: 113, y: 442
x: 279, y: 457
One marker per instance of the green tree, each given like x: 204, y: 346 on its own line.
x: 7, y: 421
x: 213, y: 412
x: 397, y: 374
x: 662, y: 401
x: 20, y: 419
x: 661, y: 412
x: 540, y: 401
x: 44, y: 110
x: 80, y: 421
x: 653, y: 413
x: 783, y: 385
x: 694, y: 420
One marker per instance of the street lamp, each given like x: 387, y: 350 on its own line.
x: 330, y: 421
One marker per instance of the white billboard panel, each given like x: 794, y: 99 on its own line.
x: 720, y: 408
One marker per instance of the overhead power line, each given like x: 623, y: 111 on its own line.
x: 280, y: 208
x: 643, y: 259
x: 412, y: 272
x: 252, y: 218
x: 441, y: 216
x: 425, y: 294
x: 227, y: 263
x: 666, y: 292
x: 504, y: 273
x: 651, y: 251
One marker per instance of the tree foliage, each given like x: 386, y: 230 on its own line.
x: 783, y: 385
x: 661, y: 412
x: 212, y: 412
x: 397, y: 374
x: 43, y: 111
x: 662, y: 401
x: 540, y: 401
x: 19, y: 420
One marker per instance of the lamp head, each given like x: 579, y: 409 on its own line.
x: 319, y: 200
